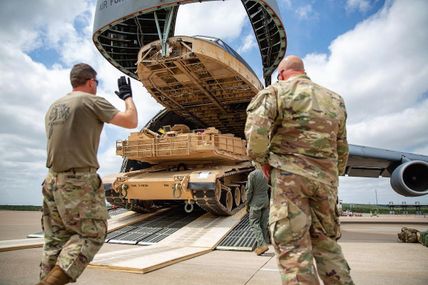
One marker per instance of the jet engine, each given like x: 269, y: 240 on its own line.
x: 411, y: 178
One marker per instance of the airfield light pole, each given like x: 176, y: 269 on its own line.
x: 376, y: 196
x: 376, y: 207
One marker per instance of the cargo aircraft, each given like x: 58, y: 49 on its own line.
x: 205, y: 85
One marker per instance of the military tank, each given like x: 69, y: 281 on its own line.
x: 201, y: 166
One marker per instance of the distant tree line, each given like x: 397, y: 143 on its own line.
x: 20, y: 207
x: 384, y: 209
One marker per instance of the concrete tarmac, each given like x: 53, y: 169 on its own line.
x: 370, y: 246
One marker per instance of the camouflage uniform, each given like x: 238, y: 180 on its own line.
x: 410, y: 235
x: 298, y: 127
x: 423, y: 238
x: 74, y: 221
x: 258, y: 202
x: 74, y: 208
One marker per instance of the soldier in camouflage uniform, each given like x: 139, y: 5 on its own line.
x: 296, y: 130
x: 410, y: 235
x: 258, y: 206
x: 74, y: 211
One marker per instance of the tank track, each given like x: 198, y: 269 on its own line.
x: 217, y: 202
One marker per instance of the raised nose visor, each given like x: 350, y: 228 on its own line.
x: 201, y: 79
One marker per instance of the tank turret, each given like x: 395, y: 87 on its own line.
x: 179, y: 144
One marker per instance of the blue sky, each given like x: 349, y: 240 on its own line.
x: 373, y: 53
x: 313, y: 25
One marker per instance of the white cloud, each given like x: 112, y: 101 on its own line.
x: 223, y: 20
x: 306, y: 12
x: 395, y: 130
x: 50, y: 18
x: 381, y: 71
x: 377, y: 65
x: 248, y: 43
x: 360, y: 5
x: 27, y: 89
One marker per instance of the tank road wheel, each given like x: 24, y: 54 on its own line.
x: 226, y: 198
x: 218, y: 190
x: 223, y: 200
x: 237, y: 196
x: 243, y: 194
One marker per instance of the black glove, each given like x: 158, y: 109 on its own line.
x: 125, y: 90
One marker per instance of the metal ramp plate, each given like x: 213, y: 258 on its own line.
x: 136, y: 234
x: 117, y: 211
x: 118, y: 232
x: 241, y: 238
x: 153, y: 229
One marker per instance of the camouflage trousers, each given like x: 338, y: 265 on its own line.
x: 258, y: 219
x: 74, y: 221
x: 304, y: 224
x: 423, y: 238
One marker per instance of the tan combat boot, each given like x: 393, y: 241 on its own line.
x: 55, y: 277
x: 261, y: 249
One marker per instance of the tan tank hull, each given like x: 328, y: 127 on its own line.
x: 218, y: 189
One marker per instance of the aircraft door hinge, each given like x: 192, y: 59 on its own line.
x: 163, y: 34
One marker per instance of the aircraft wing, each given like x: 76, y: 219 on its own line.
x: 408, y: 171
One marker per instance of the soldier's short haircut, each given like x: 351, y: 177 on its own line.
x: 80, y: 73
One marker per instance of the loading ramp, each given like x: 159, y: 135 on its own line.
x: 198, y: 237
x: 153, y: 229
x: 156, y: 228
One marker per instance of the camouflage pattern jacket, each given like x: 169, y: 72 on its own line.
x: 299, y: 126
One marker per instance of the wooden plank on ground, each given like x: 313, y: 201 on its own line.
x: 115, y: 223
x: 145, y: 259
x: 196, y: 238
x: 8, y: 245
